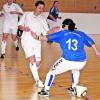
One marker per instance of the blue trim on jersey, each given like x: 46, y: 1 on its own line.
x: 72, y: 44
x: 50, y: 80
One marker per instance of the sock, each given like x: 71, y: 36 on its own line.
x: 49, y: 80
x: 3, y: 47
x: 16, y: 43
x: 75, y: 78
x: 34, y: 71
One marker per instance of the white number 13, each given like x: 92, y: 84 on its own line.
x: 70, y: 46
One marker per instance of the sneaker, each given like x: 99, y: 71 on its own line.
x: 39, y: 84
x: 72, y: 90
x: 2, y: 56
x: 43, y: 93
x: 17, y: 48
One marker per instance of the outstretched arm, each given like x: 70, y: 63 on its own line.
x: 95, y: 50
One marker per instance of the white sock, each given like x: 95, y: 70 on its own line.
x: 49, y: 80
x: 3, y: 47
x: 16, y: 43
x: 34, y: 71
x: 75, y: 77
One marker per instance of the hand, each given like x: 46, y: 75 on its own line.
x: 56, y: 29
x: 42, y: 38
x: 34, y: 35
x: 59, y: 17
x: 13, y: 12
x: 98, y: 54
x: 27, y: 29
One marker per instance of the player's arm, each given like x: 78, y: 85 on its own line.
x: 96, y: 50
x: 18, y: 11
x: 21, y: 24
x: 53, y: 30
x: 51, y: 37
x: 51, y: 14
x: 24, y: 28
x: 90, y: 43
x: 1, y: 12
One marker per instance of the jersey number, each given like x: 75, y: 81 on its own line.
x: 72, y: 44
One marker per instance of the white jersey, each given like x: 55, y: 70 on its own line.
x: 37, y: 24
x: 11, y: 19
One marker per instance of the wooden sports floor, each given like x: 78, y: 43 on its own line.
x: 17, y: 83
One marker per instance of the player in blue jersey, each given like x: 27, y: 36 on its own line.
x: 53, y: 15
x: 73, y: 58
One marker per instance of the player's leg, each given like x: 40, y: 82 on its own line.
x: 34, y: 70
x: 6, y: 31
x: 58, y: 68
x: 37, y: 52
x: 76, y: 74
x: 29, y: 52
x: 14, y: 37
x: 4, y: 44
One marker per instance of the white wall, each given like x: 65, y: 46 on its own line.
x: 89, y: 23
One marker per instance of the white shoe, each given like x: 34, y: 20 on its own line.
x: 39, y: 84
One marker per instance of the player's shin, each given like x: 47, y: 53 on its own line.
x: 3, y: 47
x: 34, y: 71
x: 49, y: 80
x: 75, y: 77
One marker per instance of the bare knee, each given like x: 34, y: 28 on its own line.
x: 32, y: 59
x: 5, y: 37
x: 14, y: 37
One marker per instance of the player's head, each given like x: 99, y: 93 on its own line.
x: 68, y: 24
x: 10, y: 1
x: 39, y: 7
x: 56, y: 3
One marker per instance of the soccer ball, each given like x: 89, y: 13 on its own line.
x: 81, y: 91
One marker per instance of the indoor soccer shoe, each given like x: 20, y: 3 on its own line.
x: 2, y: 56
x: 43, y: 93
x: 17, y: 48
x: 72, y: 90
x: 40, y: 84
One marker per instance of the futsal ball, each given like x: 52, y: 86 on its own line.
x: 81, y: 91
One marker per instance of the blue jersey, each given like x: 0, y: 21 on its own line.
x: 72, y: 44
x: 54, y: 12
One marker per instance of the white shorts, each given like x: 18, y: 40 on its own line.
x: 31, y: 47
x: 11, y: 29
x: 52, y: 23
x: 62, y: 65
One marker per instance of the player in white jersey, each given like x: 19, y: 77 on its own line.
x: 10, y: 11
x: 30, y: 23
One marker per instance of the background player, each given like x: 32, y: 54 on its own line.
x: 73, y: 58
x: 53, y: 15
x: 11, y: 11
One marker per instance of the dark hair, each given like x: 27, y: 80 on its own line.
x: 70, y: 23
x: 55, y: 1
x: 39, y: 2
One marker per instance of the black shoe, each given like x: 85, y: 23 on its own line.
x: 2, y: 56
x: 17, y: 48
x: 72, y: 90
x: 43, y: 93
